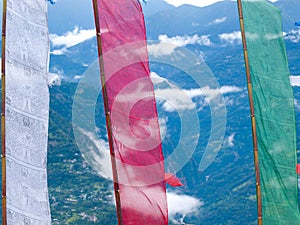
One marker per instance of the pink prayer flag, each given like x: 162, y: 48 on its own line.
x: 133, y: 115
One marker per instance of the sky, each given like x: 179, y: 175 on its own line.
x: 199, y: 3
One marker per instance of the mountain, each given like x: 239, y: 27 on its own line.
x: 154, y: 6
x: 77, y: 194
x: 224, y: 193
x: 219, y: 23
x: 194, y: 20
x: 227, y: 187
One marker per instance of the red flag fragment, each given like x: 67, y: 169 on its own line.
x: 172, y: 180
x: 298, y: 169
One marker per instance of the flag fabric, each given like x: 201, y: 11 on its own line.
x: 298, y: 169
x: 274, y: 112
x: 26, y: 112
x: 133, y: 114
x: 172, y: 180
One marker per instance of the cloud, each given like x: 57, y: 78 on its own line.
x: 54, y: 79
x: 167, y: 45
x: 231, y: 38
x: 182, y: 41
x: 295, y: 81
x: 292, y: 36
x: 297, y: 106
x: 236, y: 38
x: 96, y: 153
x: 58, y: 52
x: 173, y: 98
x: 230, y: 140
x: 218, y: 21
x: 211, y: 93
x: 161, y: 49
x: 77, y: 77
x: 199, y: 3
x: 271, y: 36
x: 179, y: 204
x: 71, y: 38
x: 253, y: 36
x: 156, y: 79
x: 163, y: 127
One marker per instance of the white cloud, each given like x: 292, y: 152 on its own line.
x: 54, y: 79
x: 271, y: 36
x: 167, y: 45
x: 171, y: 97
x: 230, y: 140
x: 179, y: 204
x: 231, y: 38
x: 235, y: 37
x: 297, y: 107
x: 211, y: 93
x: 293, y: 36
x: 295, y: 81
x: 161, y: 49
x: 163, y: 127
x: 181, y: 41
x: 175, y: 99
x: 253, y: 36
x: 77, y: 77
x: 96, y: 153
x: 71, y: 38
x: 218, y: 21
x: 199, y: 3
x: 229, y: 89
x: 58, y: 51
x: 156, y: 79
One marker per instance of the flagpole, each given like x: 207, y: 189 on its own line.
x: 253, y: 121
x: 3, y: 153
x: 107, y: 114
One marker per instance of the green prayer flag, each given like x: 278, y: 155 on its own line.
x: 274, y: 112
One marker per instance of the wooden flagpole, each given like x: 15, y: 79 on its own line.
x: 107, y: 113
x: 253, y: 121
x: 3, y: 153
